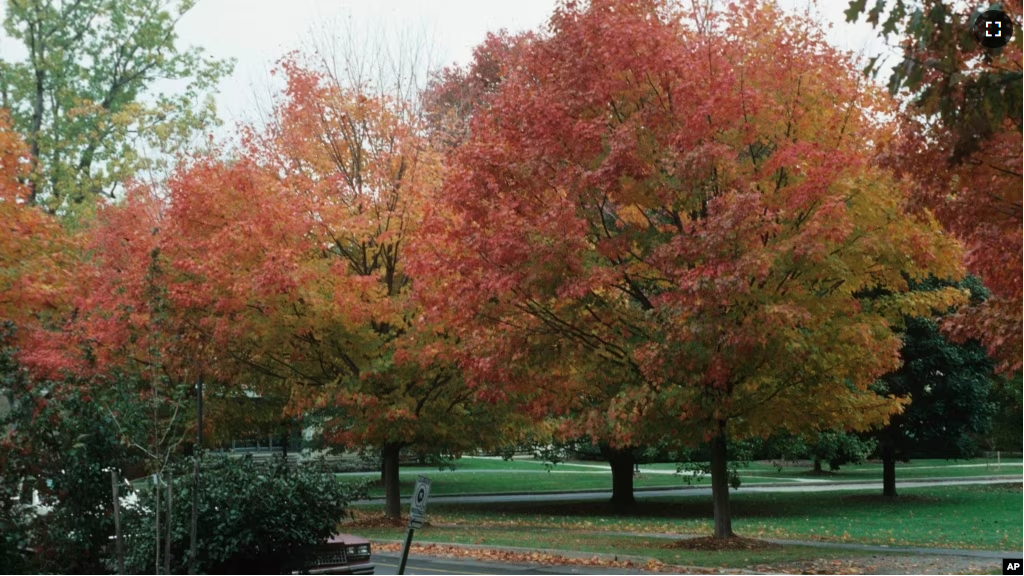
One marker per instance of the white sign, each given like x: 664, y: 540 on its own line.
x: 418, y: 507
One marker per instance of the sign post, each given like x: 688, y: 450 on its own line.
x: 417, y: 514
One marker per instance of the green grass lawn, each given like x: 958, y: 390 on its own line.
x: 494, y: 475
x: 975, y: 517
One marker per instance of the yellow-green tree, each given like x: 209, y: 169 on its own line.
x: 84, y: 94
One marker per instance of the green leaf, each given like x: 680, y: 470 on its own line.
x: 855, y: 10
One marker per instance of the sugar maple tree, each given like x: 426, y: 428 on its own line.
x: 452, y: 99
x: 128, y: 350
x: 682, y: 203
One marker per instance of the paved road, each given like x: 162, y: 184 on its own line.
x: 644, y: 494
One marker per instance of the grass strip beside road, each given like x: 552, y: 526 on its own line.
x: 969, y: 517
x: 551, y: 540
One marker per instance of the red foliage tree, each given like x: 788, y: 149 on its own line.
x: 680, y: 205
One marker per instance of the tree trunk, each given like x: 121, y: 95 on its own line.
x: 817, y: 467
x: 621, y: 461
x: 392, y: 501
x: 720, y: 484
x: 37, y: 124
x: 888, y: 470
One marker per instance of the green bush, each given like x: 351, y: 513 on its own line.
x: 253, y: 518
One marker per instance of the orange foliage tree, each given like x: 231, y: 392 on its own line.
x: 34, y: 250
x: 291, y: 260
x: 280, y: 276
x: 681, y: 205
x: 122, y: 338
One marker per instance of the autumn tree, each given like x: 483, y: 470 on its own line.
x: 452, y: 98
x: 961, y: 144
x: 36, y: 254
x: 362, y: 170
x: 84, y: 94
x: 284, y: 270
x: 684, y: 203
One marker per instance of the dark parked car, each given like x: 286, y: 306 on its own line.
x: 342, y: 554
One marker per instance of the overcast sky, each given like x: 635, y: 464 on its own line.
x: 258, y: 32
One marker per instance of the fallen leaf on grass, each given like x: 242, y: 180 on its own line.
x: 517, y: 557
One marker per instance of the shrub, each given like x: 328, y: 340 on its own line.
x: 253, y: 518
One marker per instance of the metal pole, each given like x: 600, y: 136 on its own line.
x: 119, y: 546
x: 195, y: 478
x: 405, y: 550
